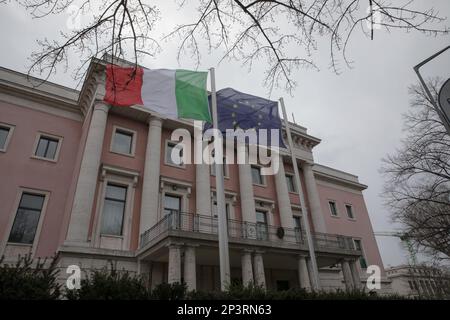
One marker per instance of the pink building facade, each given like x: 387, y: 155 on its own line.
x: 93, y: 185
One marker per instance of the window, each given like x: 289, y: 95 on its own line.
x: 113, y: 210
x: 290, y: 182
x: 227, y: 210
x: 174, y: 158
x: 261, y: 225
x: 298, y: 228
x: 47, y: 147
x: 362, y: 260
x: 27, y: 218
x: 349, y: 210
x: 122, y: 141
x: 256, y: 175
x: 333, y: 208
x: 172, y: 204
x: 225, y: 168
x: 298, y: 222
x: 5, y: 134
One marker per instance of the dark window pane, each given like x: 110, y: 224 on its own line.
x: 174, y: 154
x: 261, y: 217
x: 297, y: 222
x: 27, y: 219
x: 349, y: 211
x: 42, y: 146
x: 172, y: 204
x: 256, y: 175
x: 31, y: 201
x: 333, y: 208
x: 3, y: 136
x: 123, y: 142
x: 46, y: 148
x: 116, y: 192
x: 113, y: 217
x: 113, y: 210
x: 261, y: 225
x: 290, y: 183
x: 51, y: 150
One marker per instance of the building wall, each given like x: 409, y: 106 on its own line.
x: 19, y: 170
x: 360, y: 227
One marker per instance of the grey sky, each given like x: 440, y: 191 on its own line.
x: 357, y: 114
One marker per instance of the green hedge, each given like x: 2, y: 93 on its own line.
x: 106, y: 285
x: 26, y: 280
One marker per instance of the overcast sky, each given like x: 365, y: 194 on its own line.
x: 357, y: 114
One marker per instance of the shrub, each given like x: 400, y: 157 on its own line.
x: 29, y: 280
x: 110, y: 285
x: 169, y: 291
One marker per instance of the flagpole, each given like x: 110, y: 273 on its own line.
x: 224, y: 256
x: 315, y: 270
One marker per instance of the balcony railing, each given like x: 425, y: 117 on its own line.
x: 240, y: 230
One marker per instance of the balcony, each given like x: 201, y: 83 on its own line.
x: 205, y: 228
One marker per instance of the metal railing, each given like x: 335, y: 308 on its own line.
x: 241, y: 230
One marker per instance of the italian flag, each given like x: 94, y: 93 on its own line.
x: 171, y: 93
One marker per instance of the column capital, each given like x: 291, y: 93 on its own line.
x: 245, y: 251
x: 101, y: 105
x: 174, y: 245
x: 302, y: 256
x: 307, y: 164
x: 154, y: 120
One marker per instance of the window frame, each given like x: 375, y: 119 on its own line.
x: 121, y: 177
x: 335, y: 207
x: 348, y: 205
x: 50, y: 137
x: 226, y: 173
x: 124, y: 210
x: 263, y: 178
x: 166, y: 160
x: 173, y: 195
x: 9, y: 136
x: 133, y: 134
x: 12, y: 217
x: 266, y: 213
x: 294, y: 185
x: 363, y: 255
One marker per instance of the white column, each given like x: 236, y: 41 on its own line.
x: 174, y: 267
x: 150, y: 186
x: 190, y: 275
x: 284, y: 202
x: 347, y: 275
x: 355, y: 274
x: 246, y: 189
x: 203, y: 187
x: 247, y: 268
x: 313, y: 197
x: 303, y: 275
x: 260, y: 277
x: 88, y: 176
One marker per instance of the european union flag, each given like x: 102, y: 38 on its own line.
x: 238, y: 110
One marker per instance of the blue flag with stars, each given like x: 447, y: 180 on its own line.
x: 237, y: 110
